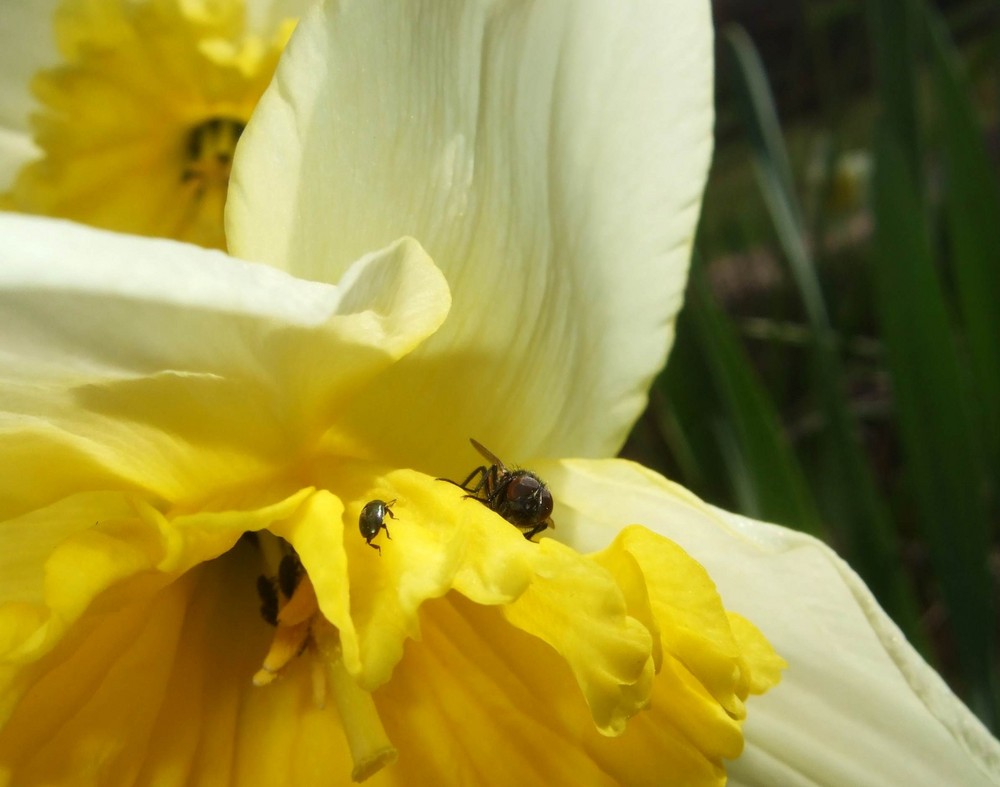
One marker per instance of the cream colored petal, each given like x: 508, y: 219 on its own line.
x: 16, y: 148
x: 138, y: 364
x: 549, y: 155
x: 857, y: 705
x: 264, y: 16
x: 27, y: 45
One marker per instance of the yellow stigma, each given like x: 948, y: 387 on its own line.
x: 370, y: 747
x: 139, y: 124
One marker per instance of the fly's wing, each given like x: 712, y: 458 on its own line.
x: 497, y: 477
x: 489, y: 455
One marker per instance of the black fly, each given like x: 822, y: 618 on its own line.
x: 518, y: 495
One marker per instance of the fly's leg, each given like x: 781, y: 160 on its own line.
x: 536, y: 530
x: 483, y: 474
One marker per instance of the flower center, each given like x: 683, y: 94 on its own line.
x: 139, y: 124
x: 210, y: 149
x: 288, y: 602
x: 342, y: 610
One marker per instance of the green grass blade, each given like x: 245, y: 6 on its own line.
x: 939, y: 449
x: 686, y: 411
x: 946, y: 478
x: 973, y: 212
x: 773, y: 480
x: 865, y: 535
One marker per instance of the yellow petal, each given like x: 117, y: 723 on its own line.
x: 89, y: 707
x: 511, y: 711
x: 550, y: 156
x: 440, y: 542
x: 577, y: 608
x: 694, y: 627
x: 132, y: 548
x: 149, y: 365
x: 559, y: 622
x: 704, y: 672
x: 27, y: 541
x: 156, y: 689
x: 762, y: 663
x: 853, y: 685
x: 504, y: 701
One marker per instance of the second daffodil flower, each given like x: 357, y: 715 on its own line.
x: 463, y: 219
x: 126, y: 114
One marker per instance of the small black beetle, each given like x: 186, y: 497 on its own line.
x: 372, y: 520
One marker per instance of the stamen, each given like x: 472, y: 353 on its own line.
x: 295, y: 620
x: 301, y: 606
x: 370, y: 747
x: 288, y: 643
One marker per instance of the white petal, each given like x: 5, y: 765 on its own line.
x: 857, y: 704
x: 27, y: 45
x: 137, y: 363
x: 549, y: 155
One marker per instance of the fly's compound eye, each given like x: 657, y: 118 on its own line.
x: 522, y: 489
x: 528, y: 498
x: 545, y: 504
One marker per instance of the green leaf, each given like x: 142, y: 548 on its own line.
x: 773, y: 484
x: 865, y: 535
x: 687, y: 413
x: 943, y: 458
x: 972, y: 201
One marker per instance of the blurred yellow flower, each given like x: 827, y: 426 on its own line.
x: 139, y: 120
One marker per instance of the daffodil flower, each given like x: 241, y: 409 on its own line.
x: 125, y: 114
x: 463, y: 219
